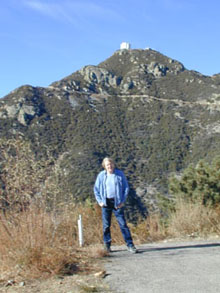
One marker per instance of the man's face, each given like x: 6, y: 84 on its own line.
x: 109, y: 167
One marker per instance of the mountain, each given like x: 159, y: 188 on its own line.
x: 144, y: 109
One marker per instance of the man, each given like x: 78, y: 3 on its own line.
x: 111, y: 189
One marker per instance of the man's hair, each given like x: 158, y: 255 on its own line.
x: 107, y: 160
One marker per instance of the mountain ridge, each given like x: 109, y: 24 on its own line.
x: 146, y: 110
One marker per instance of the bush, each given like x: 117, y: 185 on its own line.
x: 22, y: 176
x: 199, y: 184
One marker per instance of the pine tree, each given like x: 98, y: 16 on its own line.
x: 200, y: 183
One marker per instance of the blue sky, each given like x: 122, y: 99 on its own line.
x: 43, y: 41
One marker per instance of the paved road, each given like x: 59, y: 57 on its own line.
x: 166, y: 267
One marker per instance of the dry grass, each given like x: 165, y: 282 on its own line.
x: 187, y: 220
x: 150, y: 230
x: 194, y: 219
x: 36, y: 243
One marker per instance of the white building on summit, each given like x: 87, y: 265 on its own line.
x: 126, y: 46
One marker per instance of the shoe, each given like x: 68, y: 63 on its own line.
x: 132, y: 249
x: 107, y: 247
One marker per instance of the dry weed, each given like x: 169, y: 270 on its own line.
x: 194, y: 219
x: 36, y: 242
x: 151, y: 229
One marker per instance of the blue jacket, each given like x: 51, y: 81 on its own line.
x: 121, y: 185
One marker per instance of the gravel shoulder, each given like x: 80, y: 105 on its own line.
x: 187, y: 266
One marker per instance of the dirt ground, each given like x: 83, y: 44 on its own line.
x: 67, y: 284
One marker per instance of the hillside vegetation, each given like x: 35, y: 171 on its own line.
x: 144, y: 109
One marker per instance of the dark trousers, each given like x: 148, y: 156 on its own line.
x: 106, y: 221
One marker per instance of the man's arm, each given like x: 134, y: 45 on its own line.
x: 97, y: 191
x: 125, y: 190
x: 125, y: 186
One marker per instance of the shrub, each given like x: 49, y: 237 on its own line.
x: 200, y: 183
x: 22, y: 176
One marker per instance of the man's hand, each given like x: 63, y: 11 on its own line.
x: 101, y: 204
x: 120, y: 206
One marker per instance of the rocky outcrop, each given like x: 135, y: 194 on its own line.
x: 99, y: 77
x: 157, y: 69
x: 23, y: 113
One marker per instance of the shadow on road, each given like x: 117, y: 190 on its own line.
x: 150, y: 249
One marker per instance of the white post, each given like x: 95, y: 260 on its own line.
x: 80, y: 229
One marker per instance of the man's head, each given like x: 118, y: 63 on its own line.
x: 109, y: 165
